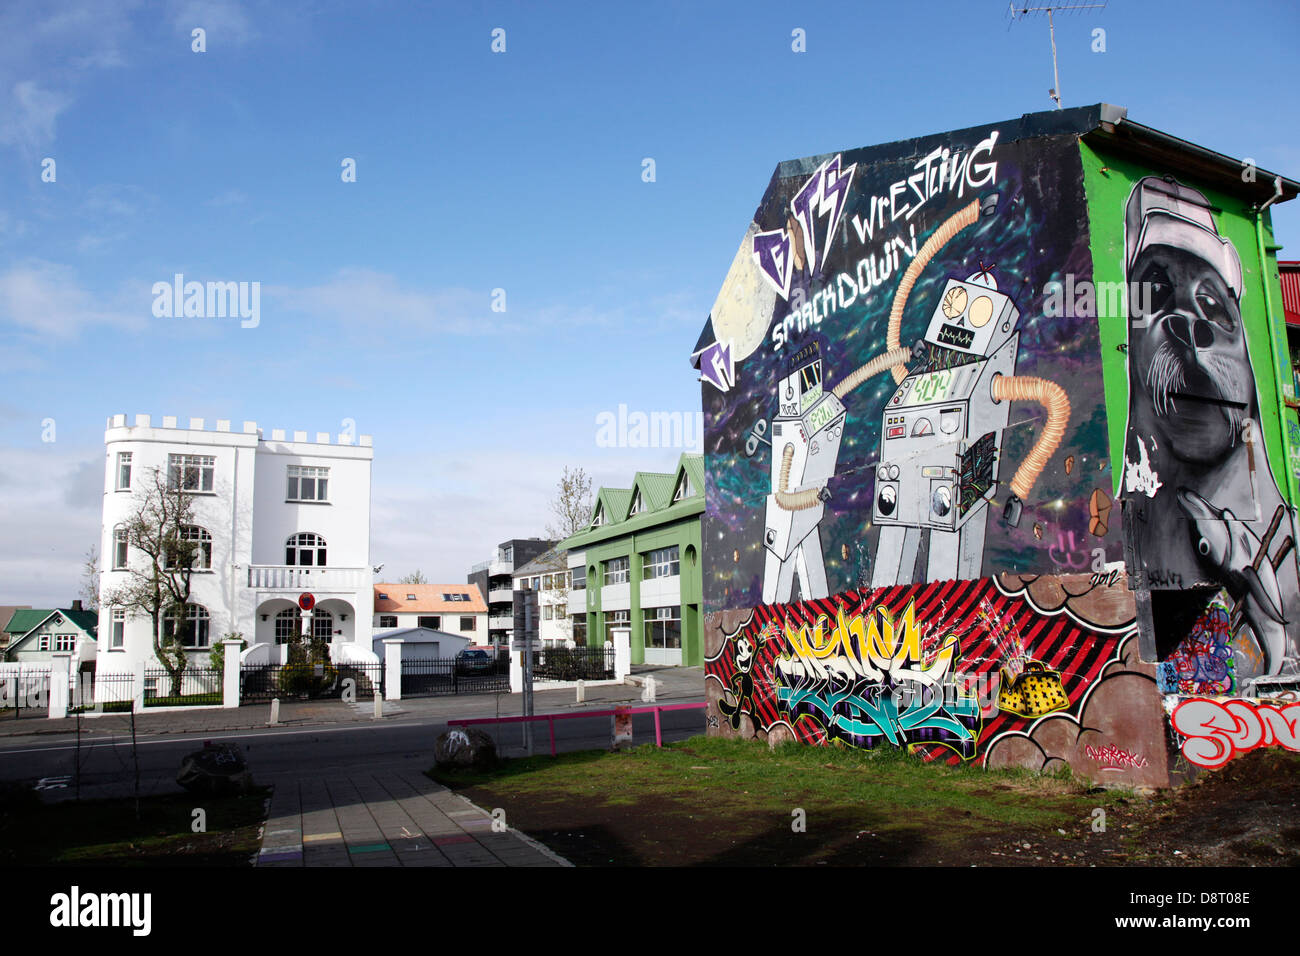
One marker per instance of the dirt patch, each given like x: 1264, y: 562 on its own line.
x: 1243, y: 815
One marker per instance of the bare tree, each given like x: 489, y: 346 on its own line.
x: 162, y: 553
x: 416, y: 577
x: 571, y: 506
x: 90, y: 580
x: 571, y: 509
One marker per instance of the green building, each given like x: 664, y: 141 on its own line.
x: 637, y: 565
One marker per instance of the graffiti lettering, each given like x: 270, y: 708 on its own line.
x: 1069, y: 553
x: 816, y: 210
x: 1116, y: 758
x: 1105, y: 579
x: 1160, y: 578
x: 1216, y: 732
x: 869, y: 682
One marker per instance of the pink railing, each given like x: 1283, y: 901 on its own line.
x: 552, y: 718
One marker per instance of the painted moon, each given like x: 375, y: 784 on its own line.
x: 746, y: 304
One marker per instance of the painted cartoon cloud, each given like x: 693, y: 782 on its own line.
x: 1114, y: 733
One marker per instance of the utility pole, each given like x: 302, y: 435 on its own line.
x: 1022, y: 12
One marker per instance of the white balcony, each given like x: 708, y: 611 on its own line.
x: 505, y: 623
x: 282, y: 577
x: 501, y: 596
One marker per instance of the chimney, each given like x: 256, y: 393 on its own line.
x: 76, y: 605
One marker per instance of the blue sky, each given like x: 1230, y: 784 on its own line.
x: 476, y: 171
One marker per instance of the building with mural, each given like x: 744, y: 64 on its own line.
x: 637, y: 565
x: 1001, y: 465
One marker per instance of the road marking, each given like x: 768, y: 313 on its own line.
x: 313, y: 837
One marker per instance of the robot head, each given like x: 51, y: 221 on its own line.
x: 804, y: 373
x: 972, y: 316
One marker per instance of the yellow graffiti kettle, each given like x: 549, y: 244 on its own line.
x: 1034, y: 692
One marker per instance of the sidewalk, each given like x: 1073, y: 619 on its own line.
x: 674, y: 686
x: 386, y: 818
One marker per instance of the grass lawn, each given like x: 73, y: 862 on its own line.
x: 107, y: 833
x: 713, y: 801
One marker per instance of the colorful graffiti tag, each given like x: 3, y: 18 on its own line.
x: 1216, y: 731
x: 920, y: 667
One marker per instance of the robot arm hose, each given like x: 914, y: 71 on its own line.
x: 794, y: 500
x: 894, y: 358
x: 966, y: 216
x: 1053, y: 398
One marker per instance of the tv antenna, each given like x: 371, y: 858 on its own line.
x: 1022, y: 12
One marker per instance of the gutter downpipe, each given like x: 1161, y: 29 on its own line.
x: 1272, y: 346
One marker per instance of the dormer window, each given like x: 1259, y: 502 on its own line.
x: 637, y: 507
x: 599, y: 517
x: 684, y: 488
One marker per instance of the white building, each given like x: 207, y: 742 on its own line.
x: 449, y: 608
x: 276, y: 518
x: 544, y: 585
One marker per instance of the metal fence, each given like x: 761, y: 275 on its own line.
x: 197, y: 685
x: 574, y: 663
x: 25, y: 692
x: 438, y: 677
x: 259, y: 683
x: 110, y: 692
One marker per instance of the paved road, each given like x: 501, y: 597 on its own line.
x: 350, y: 742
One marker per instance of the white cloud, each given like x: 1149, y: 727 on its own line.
x: 48, y: 538
x: 30, y: 114
x: 45, y: 298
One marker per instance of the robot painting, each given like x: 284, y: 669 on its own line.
x: 940, y: 435
x: 806, y: 435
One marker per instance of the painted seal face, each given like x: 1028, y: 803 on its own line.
x: 1190, y: 360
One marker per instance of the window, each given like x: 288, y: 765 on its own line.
x: 615, y: 619
x: 560, y: 612
x: 308, y: 484
x: 599, y: 517
x: 322, y: 625
x: 118, y: 639
x: 305, y: 550
x: 433, y: 622
x: 191, y: 472
x: 616, y: 570
x: 193, y: 549
x: 662, y: 563
x: 548, y: 612
x: 537, y: 584
x: 578, y: 578
x: 288, y: 625
x: 636, y: 503
x: 123, y: 471
x: 410, y: 597
x: 119, y: 548
x: 65, y: 642
x: 455, y: 597
x: 191, y: 628
x: 663, y: 627
x: 468, y: 624
x: 684, y: 488
x: 43, y: 643
x: 388, y: 620
x: 548, y: 582
x: 580, y: 630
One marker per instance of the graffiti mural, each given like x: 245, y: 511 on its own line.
x: 1195, y: 459
x: 887, y: 401
x: 1216, y: 731
x: 951, y: 671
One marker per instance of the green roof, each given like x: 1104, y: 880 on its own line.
x: 657, y: 498
x: 24, y: 620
